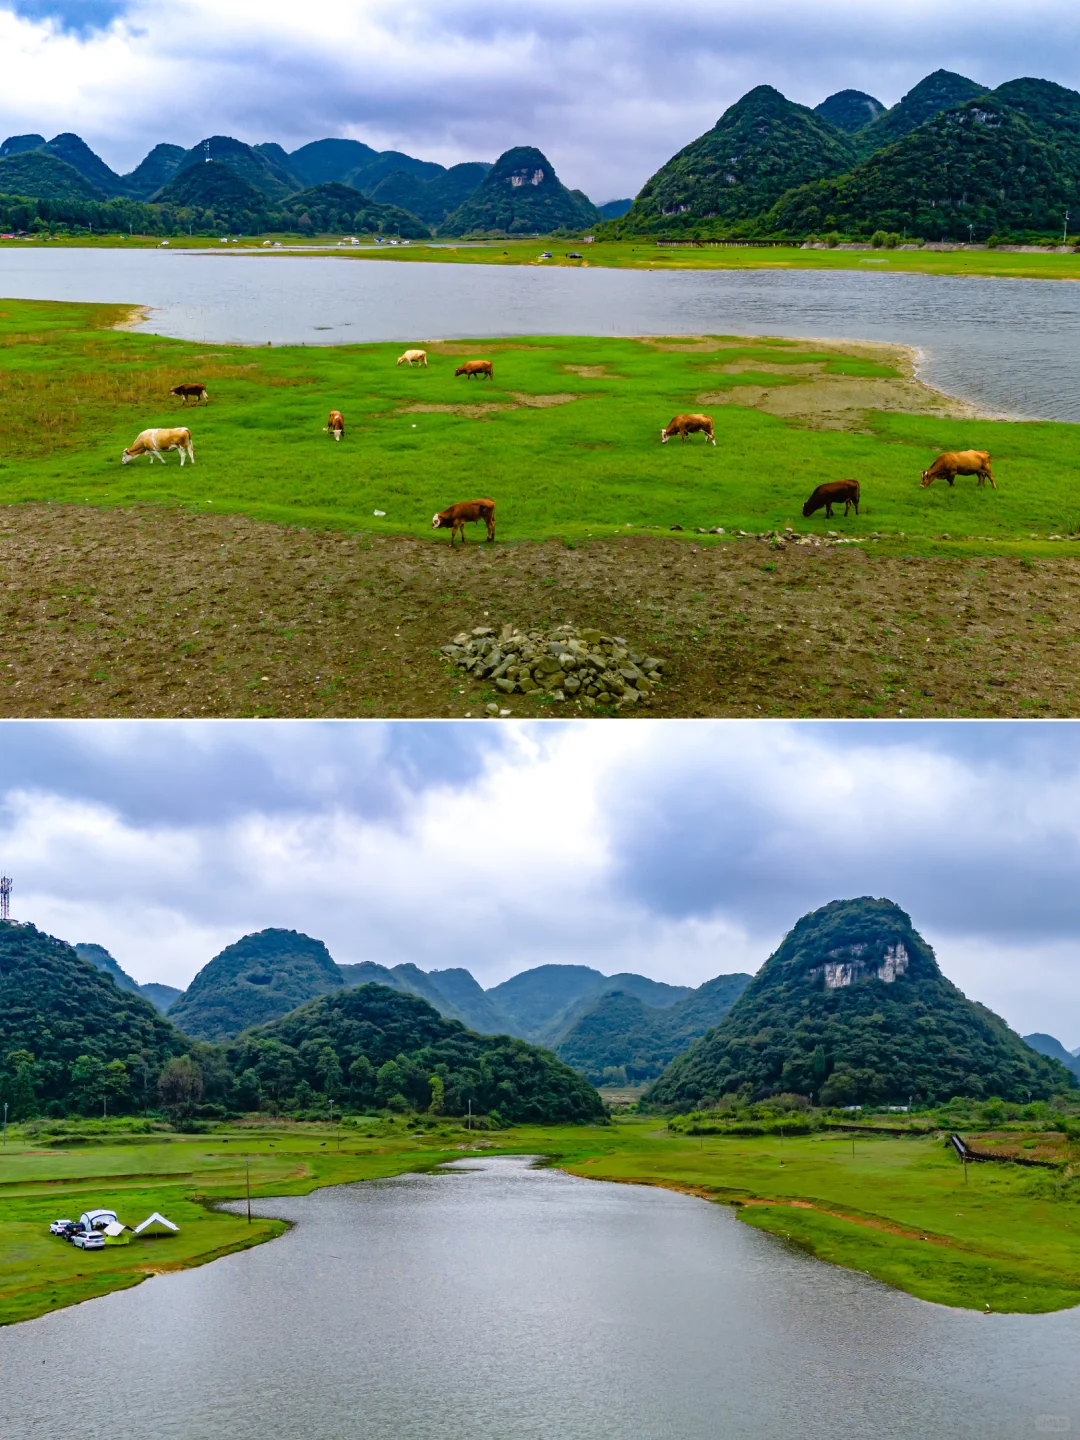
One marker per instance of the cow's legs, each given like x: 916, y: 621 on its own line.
x: 828, y: 510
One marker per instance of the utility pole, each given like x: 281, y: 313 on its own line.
x: 5, y: 1124
x: 1065, y: 231
x: 470, y: 1114
x: 247, y: 1173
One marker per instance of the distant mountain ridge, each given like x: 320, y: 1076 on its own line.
x: 160, y: 996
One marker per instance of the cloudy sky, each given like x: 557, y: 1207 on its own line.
x: 609, y: 89
x: 680, y: 851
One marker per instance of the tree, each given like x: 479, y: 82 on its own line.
x: 249, y: 1090
x: 88, y: 1083
x: 438, y: 1095
x: 180, y: 1087
x: 116, y: 1082
x: 390, y: 1081
x: 17, y: 1085
x: 361, y: 1081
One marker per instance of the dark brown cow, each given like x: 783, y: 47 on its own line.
x: 195, y: 391
x: 476, y: 367
x: 687, y: 425
x: 335, y: 426
x: 835, y: 492
x: 959, y: 462
x: 458, y: 516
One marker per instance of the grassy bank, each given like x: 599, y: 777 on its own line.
x: 897, y: 1208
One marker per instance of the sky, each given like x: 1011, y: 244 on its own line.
x: 608, y: 89
x: 679, y: 850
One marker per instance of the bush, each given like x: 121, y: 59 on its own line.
x: 879, y: 239
x: 832, y: 239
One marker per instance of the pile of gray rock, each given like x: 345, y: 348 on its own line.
x: 565, y: 663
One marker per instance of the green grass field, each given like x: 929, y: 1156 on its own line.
x: 899, y: 1209
x: 566, y: 438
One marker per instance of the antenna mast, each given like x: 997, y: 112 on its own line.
x: 5, y: 897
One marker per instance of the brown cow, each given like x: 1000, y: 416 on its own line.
x: 457, y: 516
x: 195, y: 391
x: 687, y: 425
x: 153, y: 442
x: 335, y: 425
x: 476, y: 367
x: 833, y: 493
x: 959, y: 462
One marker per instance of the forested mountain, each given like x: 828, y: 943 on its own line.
x: 70, y: 1038
x: 620, y: 1038
x: 433, y: 199
x: 940, y: 91
x: 160, y: 996
x: 521, y: 195
x: 759, y: 148
x: 1008, y: 161
x: 264, y: 174
x: 18, y: 144
x: 850, y: 110
x: 532, y: 998
x: 45, y: 177
x: 852, y: 1008
x: 1047, y: 1045
x: 378, y: 1047
x: 323, y: 161
x: 154, y: 171
x: 76, y: 153
x: 332, y: 207
x: 258, y: 978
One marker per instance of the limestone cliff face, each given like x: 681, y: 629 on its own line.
x: 852, y: 1008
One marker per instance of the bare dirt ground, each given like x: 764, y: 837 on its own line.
x: 156, y: 612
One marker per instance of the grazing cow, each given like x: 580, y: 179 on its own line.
x: 153, y: 442
x: 195, y: 391
x: 836, y: 492
x: 476, y: 367
x: 410, y: 357
x: 335, y: 426
x: 457, y: 516
x: 959, y: 462
x: 687, y: 425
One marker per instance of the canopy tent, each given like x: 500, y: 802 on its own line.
x: 156, y: 1223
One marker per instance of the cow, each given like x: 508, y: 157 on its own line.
x: 959, y: 462
x: 833, y: 493
x: 457, y: 516
x: 194, y: 391
x: 410, y: 357
x: 687, y: 425
x: 153, y: 442
x: 335, y: 426
x: 476, y: 367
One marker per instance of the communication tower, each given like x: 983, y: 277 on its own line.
x: 5, y: 897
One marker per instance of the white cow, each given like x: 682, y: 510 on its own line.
x: 410, y: 357
x: 153, y: 442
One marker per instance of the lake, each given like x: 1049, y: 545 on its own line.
x: 497, y: 1301
x: 1010, y: 346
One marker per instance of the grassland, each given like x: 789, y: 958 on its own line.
x: 262, y: 581
x: 898, y: 1208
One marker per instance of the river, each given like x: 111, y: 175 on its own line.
x: 1010, y: 346
x: 499, y: 1301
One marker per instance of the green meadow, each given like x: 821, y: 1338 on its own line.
x: 566, y: 439
x: 900, y: 1209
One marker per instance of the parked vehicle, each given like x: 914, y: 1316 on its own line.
x: 88, y: 1240
x: 61, y: 1227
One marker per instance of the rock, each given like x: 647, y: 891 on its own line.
x: 676, y: 527
x: 716, y: 530
x: 483, y: 630
x: 506, y: 686
x: 491, y: 708
x: 572, y: 685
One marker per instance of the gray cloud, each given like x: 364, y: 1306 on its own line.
x: 609, y: 90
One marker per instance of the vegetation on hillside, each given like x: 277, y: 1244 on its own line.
x: 45, y: 177
x: 380, y: 1049
x: 71, y: 1041
x: 853, y: 1008
x: 259, y: 978
x: 521, y: 195
x: 943, y: 90
x: 431, y: 200
x: 850, y: 110
x: 101, y: 960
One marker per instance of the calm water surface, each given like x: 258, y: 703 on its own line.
x: 501, y: 1302
x: 1011, y: 346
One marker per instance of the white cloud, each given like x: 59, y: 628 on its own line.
x: 609, y: 89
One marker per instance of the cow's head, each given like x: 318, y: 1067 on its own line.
x: 438, y: 522
x: 126, y: 457
x: 461, y: 370
x: 808, y: 509
x: 927, y: 479
x: 664, y: 436
x: 401, y: 359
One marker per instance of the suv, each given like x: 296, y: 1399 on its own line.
x: 88, y: 1240
x: 61, y: 1227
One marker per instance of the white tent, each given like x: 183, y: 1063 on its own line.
x: 97, y: 1219
x: 153, y: 1220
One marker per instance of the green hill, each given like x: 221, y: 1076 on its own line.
x: 852, y: 1008
x: 1006, y: 162
x: 378, y: 167
x: 70, y: 1038
x: 432, y: 200
x: 259, y: 978
x: 76, y: 153
x: 217, y: 199
x: 333, y: 209
x: 619, y: 1031
x: 940, y: 91
x: 850, y: 110
x: 19, y: 144
x: 45, y: 177
x: 759, y: 149
x: 533, y: 998
x: 154, y: 171
x: 453, y: 993
x: 323, y: 161
x: 1047, y: 1045
x: 160, y: 996
x: 264, y: 175
x: 378, y: 1047
x: 521, y: 195
x: 476, y: 1007
x: 101, y: 960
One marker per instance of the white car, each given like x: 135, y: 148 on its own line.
x: 59, y: 1226
x: 88, y: 1240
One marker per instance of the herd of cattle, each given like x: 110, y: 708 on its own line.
x: 155, y: 443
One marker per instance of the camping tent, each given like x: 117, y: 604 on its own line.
x: 156, y: 1224
x: 117, y: 1233
x: 96, y: 1219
